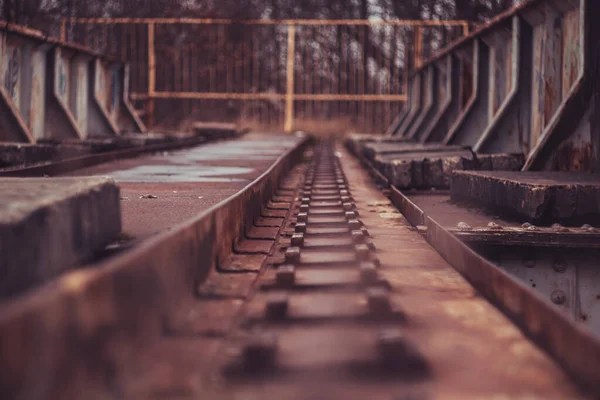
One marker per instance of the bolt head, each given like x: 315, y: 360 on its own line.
x: 379, y: 302
x: 292, y: 255
x: 368, y: 273
x: 285, y: 276
x: 302, y: 217
x: 297, y: 240
x: 358, y: 236
x: 354, y: 225
x: 277, y: 306
x: 300, y: 227
x: 362, y: 252
x: 350, y: 215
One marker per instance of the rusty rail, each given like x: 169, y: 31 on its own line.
x: 51, y: 89
x: 519, y: 84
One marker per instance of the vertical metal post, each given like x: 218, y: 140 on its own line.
x: 151, y: 74
x: 289, y: 98
x: 63, y: 30
x: 419, y: 47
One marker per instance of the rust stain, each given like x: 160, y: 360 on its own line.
x: 571, y: 158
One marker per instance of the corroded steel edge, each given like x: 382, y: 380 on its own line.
x: 85, y: 322
x: 572, y: 346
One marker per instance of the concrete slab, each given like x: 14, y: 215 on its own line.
x: 187, y: 182
x: 49, y: 225
x: 538, y: 197
x: 371, y: 150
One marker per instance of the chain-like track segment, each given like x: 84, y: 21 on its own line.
x: 321, y: 322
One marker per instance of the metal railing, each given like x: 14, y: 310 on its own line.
x: 272, y: 73
x: 53, y: 90
x: 522, y: 83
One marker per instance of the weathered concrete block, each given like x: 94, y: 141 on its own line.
x: 49, y: 225
x: 423, y: 169
x: 500, y: 162
x: 538, y: 197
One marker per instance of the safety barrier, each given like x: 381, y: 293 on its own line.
x: 53, y: 90
x: 523, y: 83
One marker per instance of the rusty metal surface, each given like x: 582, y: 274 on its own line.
x: 46, y: 90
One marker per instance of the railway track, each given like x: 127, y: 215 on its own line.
x: 349, y: 301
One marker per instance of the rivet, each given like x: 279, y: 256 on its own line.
x: 463, y: 226
x: 297, y: 240
x: 559, y: 228
x: 302, y: 217
x: 277, y: 306
x: 300, y: 227
x: 292, y: 255
x: 285, y: 276
x: 362, y: 252
x: 350, y: 215
x: 588, y: 228
x: 354, y: 224
x: 378, y: 302
x: 368, y: 273
x: 559, y: 264
x: 558, y: 297
x: 259, y: 352
x: 530, y: 227
x: 494, y: 226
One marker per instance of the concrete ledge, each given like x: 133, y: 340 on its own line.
x: 425, y: 170
x: 537, y: 197
x: 372, y: 150
x: 50, y: 225
x: 12, y: 154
